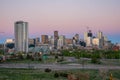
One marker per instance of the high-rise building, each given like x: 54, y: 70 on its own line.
x: 96, y: 42
x: 90, y: 33
x: 85, y: 36
x: 31, y: 41
x: 44, y: 39
x: 88, y: 38
x: 56, y: 37
x: 89, y: 42
x: 100, y: 35
x: 74, y: 42
x: 101, y: 38
x: 51, y: 40
x: 77, y: 38
x: 61, y: 41
x: 34, y: 42
x: 21, y: 36
x: 37, y: 41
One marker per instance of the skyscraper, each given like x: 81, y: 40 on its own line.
x: 44, y: 39
x: 77, y: 38
x: 61, y: 41
x: 88, y: 38
x: 21, y: 36
x: 55, y: 39
x: 89, y: 33
x: 100, y: 36
x: 85, y: 36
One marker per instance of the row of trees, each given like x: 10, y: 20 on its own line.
x: 99, y: 54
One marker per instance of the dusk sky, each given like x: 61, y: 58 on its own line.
x: 67, y: 16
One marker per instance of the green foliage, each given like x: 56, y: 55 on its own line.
x: 21, y: 55
x: 1, y: 52
x: 89, y: 54
x: 95, y: 60
x: 112, y: 54
x: 47, y: 70
x: 37, y: 74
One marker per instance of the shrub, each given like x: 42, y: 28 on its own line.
x: 40, y: 59
x: 56, y: 75
x: 32, y: 58
x: 63, y: 75
x: 56, y: 57
x: 95, y: 60
x: 29, y: 56
x: 47, y: 70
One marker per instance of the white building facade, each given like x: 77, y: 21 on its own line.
x: 21, y: 36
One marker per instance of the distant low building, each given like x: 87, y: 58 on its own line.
x: 68, y: 41
x: 34, y: 41
x: 9, y: 43
x: 115, y: 48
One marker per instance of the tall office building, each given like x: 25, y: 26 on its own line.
x: 44, y: 39
x: 96, y: 42
x: 101, y: 38
x: 56, y: 37
x: 21, y: 36
x: 61, y: 41
x: 89, y: 42
x: 85, y: 36
x: 77, y: 38
x: 90, y: 33
x: 100, y: 35
x: 51, y: 40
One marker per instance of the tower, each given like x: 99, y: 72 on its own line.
x: 44, y: 39
x: 61, y: 41
x: 100, y: 35
x: 88, y: 36
x: 77, y: 38
x: 55, y: 39
x: 89, y: 33
x: 21, y: 36
x: 101, y: 38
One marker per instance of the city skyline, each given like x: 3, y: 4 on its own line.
x: 68, y: 17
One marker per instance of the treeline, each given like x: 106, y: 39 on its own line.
x: 107, y: 54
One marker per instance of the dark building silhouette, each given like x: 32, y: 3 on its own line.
x: 90, y: 33
x: 55, y: 39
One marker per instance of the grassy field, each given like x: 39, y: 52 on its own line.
x: 35, y: 74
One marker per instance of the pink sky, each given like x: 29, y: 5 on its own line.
x: 67, y: 16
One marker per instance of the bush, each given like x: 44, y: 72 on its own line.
x: 20, y: 57
x: 56, y: 75
x: 95, y: 60
x: 47, y: 70
x: 29, y: 56
x: 63, y: 75
x: 32, y: 58
x: 56, y: 57
x: 40, y: 59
